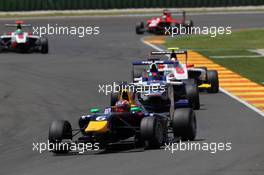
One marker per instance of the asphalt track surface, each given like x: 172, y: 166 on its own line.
x: 36, y: 89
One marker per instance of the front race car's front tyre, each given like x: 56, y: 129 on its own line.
x: 44, y: 45
x: 184, y: 124
x: 140, y: 28
x: 59, y: 130
x: 152, y: 131
x: 212, y: 79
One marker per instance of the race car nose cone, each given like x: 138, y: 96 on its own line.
x: 97, y: 126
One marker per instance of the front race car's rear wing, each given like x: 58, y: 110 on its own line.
x: 15, y: 25
x: 149, y: 62
x: 18, y: 24
x: 172, y: 53
x: 183, y: 13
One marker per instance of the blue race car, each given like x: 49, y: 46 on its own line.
x: 127, y: 119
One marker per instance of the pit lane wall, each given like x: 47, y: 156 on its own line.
x: 29, y: 5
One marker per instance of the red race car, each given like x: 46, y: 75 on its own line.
x: 164, y: 24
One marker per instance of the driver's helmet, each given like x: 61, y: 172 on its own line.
x: 122, y: 106
x: 18, y: 32
x: 173, y: 56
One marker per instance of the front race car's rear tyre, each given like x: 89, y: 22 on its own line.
x: 44, y: 45
x: 192, y: 93
x: 59, y: 130
x: 184, y: 124
x: 212, y: 79
x: 203, y: 67
x: 140, y: 28
x: 152, y: 131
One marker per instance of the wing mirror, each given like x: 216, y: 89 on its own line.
x: 135, y: 109
x: 94, y: 110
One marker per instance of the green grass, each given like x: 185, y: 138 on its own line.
x: 238, y: 43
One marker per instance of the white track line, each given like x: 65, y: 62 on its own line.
x: 221, y: 89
